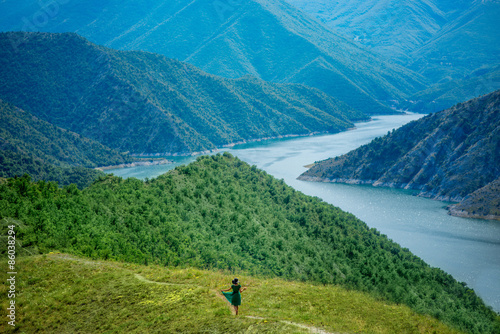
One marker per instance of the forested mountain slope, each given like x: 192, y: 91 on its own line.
x: 441, y: 96
x: 454, y: 44
x: 268, y: 39
x: 24, y: 133
x: 33, y: 146
x: 145, y: 103
x: 378, y: 24
x: 434, y: 37
x: 447, y: 155
x: 467, y: 43
x: 221, y: 213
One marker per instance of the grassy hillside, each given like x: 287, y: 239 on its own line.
x: 446, y: 155
x: 46, y: 152
x: 220, y: 213
x: 267, y: 39
x: 146, y: 103
x: 67, y: 294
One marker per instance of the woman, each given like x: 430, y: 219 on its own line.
x: 234, y: 297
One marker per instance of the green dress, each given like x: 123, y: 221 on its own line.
x: 234, y: 297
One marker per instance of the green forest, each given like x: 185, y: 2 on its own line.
x: 221, y: 213
x: 29, y: 145
x: 14, y: 164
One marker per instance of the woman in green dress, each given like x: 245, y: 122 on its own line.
x: 234, y: 296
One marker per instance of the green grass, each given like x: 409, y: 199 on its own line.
x: 59, y: 293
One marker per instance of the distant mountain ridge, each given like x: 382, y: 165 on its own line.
x: 453, y: 44
x: 427, y: 35
x: 446, y: 155
x: 267, y: 39
x: 442, y: 96
x: 379, y: 24
x: 146, y: 103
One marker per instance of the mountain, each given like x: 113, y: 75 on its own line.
x: 24, y: 133
x: 379, y: 24
x: 450, y: 43
x: 482, y: 203
x: 431, y: 37
x: 220, y: 213
x: 446, y: 155
x: 33, y: 146
x: 146, y: 103
x: 467, y: 43
x: 268, y: 39
x: 441, y: 96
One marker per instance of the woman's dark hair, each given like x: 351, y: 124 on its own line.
x: 235, y: 281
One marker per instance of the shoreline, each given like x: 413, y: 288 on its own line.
x: 230, y: 145
x: 136, y: 164
x: 452, y: 211
x: 241, y: 142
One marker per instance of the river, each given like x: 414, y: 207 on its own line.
x: 468, y: 249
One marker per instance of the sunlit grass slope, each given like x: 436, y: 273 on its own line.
x: 59, y: 293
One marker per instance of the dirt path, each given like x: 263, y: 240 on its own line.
x: 312, y: 329
x: 144, y: 279
x: 219, y: 295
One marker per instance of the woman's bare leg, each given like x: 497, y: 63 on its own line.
x: 236, y: 309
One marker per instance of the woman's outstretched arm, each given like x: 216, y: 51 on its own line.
x: 243, y: 289
x: 226, y: 289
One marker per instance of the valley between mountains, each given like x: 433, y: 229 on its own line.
x: 145, y: 103
x: 89, y: 84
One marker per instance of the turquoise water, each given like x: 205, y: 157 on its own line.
x: 469, y: 249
